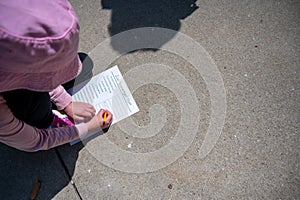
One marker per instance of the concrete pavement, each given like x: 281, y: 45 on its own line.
x: 255, y: 47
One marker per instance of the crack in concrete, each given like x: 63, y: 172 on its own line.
x: 67, y: 173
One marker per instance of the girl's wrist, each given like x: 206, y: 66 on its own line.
x: 93, y: 124
x: 68, y: 110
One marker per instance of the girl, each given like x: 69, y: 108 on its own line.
x: 38, y: 53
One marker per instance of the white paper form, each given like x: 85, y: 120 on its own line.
x: 107, y: 90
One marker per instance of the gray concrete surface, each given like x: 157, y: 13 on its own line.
x: 255, y: 45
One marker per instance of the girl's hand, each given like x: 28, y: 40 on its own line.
x: 100, y: 121
x: 80, y: 111
x: 104, y: 118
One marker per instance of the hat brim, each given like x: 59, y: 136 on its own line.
x: 40, y: 82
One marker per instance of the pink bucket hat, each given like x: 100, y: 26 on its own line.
x: 38, y: 44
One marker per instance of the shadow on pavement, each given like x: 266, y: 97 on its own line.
x: 132, y: 14
x: 19, y: 170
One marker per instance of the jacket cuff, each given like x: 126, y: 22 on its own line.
x: 60, y: 97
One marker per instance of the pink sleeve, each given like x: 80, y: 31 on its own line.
x: 60, y: 97
x: 22, y: 136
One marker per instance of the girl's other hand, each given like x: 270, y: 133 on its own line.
x: 80, y: 111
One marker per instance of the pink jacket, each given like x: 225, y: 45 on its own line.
x: 22, y: 136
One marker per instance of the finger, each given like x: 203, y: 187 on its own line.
x: 108, y: 112
x: 88, y: 107
x: 101, y: 111
x: 109, y: 118
x: 100, y: 117
x: 79, y: 119
x: 91, y: 109
x: 89, y: 114
x: 85, y: 115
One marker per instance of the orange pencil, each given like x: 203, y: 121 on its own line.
x: 105, y: 117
